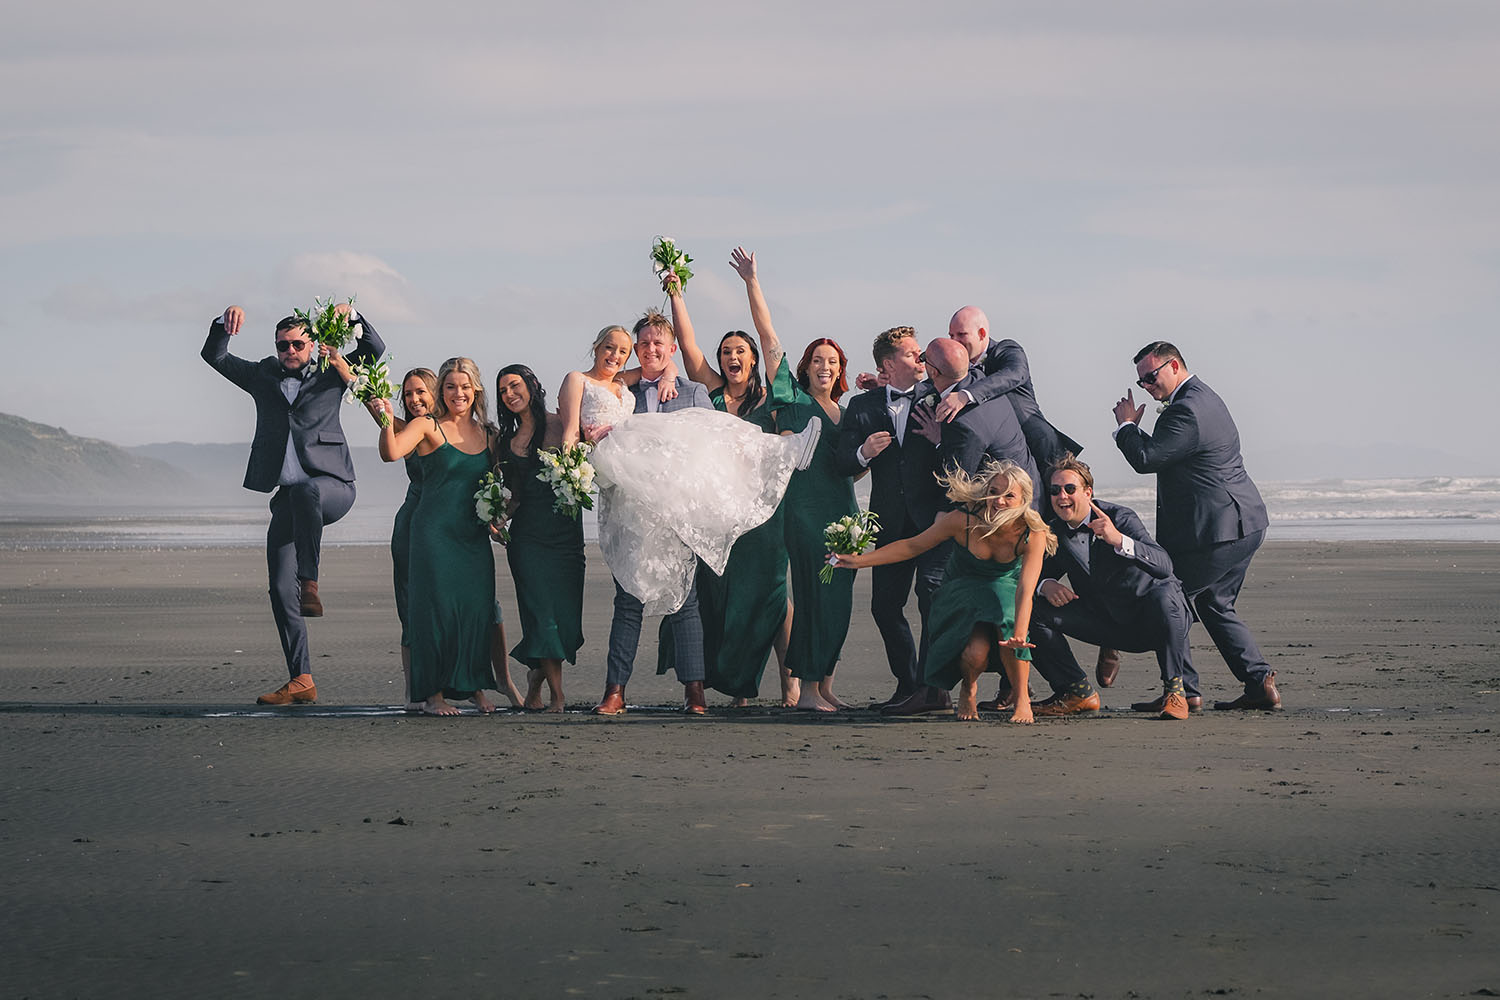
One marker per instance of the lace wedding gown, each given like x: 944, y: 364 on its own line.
x: 681, y: 486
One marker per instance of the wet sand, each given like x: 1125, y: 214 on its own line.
x: 161, y: 837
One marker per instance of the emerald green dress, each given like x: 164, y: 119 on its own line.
x: 401, y: 539
x: 744, y: 609
x: 451, y: 577
x: 973, y: 590
x: 817, y: 495
x: 546, y: 561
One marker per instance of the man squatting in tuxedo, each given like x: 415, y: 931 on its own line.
x: 298, y: 452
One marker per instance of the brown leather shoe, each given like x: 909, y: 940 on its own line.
x: 1067, y: 704
x: 1174, y: 706
x: 1108, y: 667
x: 692, y: 698
x: 613, y: 702
x: 312, y: 606
x: 1194, y: 703
x: 1265, y: 698
x: 920, y: 702
x: 284, y: 695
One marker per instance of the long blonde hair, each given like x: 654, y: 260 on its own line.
x: 479, y: 410
x: 974, y: 492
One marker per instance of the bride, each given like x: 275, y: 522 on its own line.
x: 677, y: 486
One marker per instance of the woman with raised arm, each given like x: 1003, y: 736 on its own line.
x: 451, y: 576
x: 982, y: 610
x: 746, y: 613
x: 545, y: 551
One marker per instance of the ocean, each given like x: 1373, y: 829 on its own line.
x: 1432, y: 509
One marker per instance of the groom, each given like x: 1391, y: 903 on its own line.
x: 655, y: 343
x: 299, y: 452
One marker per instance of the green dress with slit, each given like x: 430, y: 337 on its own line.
x: 451, y: 580
x: 973, y: 590
x: 547, y: 563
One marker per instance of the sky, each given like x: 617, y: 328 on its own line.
x: 1303, y: 196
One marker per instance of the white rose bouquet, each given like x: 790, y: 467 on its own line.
x: 372, y: 380
x: 327, y: 325
x: 666, y: 257
x: 571, y: 476
x: 492, y: 506
x: 849, y: 535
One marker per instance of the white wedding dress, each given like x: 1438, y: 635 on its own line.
x: 681, y: 486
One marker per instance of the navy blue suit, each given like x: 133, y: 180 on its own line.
x: 1134, y: 604
x: 905, y: 495
x: 987, y: 429
x: 1005, y: 372
x: 1209, y: 515
x: 299, y: 511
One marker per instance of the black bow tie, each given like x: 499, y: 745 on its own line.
x: 299, y: 373
x: 1063, y: 528
x: 908, y: 394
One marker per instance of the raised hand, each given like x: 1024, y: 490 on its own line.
x: 1126, y: 412
x: 1056, y: 594
x: 234, y: 318
x: 869, y: 380
x: 743, y: 263
x: 671, y: 284
x: 1103, y: 528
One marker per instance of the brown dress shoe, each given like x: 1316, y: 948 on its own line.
x: 613, y: 702
x: 312, y: 606
x: 920, y: 702
x: 1174, y: 706
x: 1108, y: 667
x: 1194, y: 703
x: 284, y: 695
x: 1067, y: 704
x: 692, y: 698
x: 1264, y: 698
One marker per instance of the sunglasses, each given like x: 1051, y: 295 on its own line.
x: 1053, y: 489
x: 282, y: 346
x: 1147, y: 380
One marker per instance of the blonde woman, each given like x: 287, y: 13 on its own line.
x: 982, y: 611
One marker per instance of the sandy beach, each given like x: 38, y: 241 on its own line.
x: 161, y: 837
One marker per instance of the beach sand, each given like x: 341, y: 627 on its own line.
x: 160, y: 837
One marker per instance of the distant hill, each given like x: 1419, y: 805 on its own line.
x: 217, y: 471
x: 47, y: 464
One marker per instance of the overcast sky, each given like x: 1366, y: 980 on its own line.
x: 1303, y: 196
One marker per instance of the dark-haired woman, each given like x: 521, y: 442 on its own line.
x: 745, y: 612
x: 546, y: 547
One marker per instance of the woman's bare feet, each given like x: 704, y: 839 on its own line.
x: 967, y: 709
x: 437, y: 705
x: 552, y: 673
x: 483, y: 703
x: 1023, y: 713
x: 810, y: 701
x: 791, y: 692
x: 740, y: 703
x: 825, y: 691
x: 533, y: 700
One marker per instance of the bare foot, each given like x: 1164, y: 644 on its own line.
x: 740, y: 703
x: 533, y: 701
x: 968, y: 701
x: 825, y: 691
x: 791, y: 692
x: 811, y: 702
x: 485, y: 706
x: 1023, y: 713
x: 436, y: 705
x: 557, y: 706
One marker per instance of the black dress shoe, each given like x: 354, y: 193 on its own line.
x: 920, y: 702
x: 901, y: 695
x: 1262, y: 698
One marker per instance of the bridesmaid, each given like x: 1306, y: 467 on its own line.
x: 546, y: 547
x: 451, y: 577
x: 817, y: 496
x: 418, y: 392
x: 746, y: 613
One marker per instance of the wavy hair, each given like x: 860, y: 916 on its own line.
x: 975, y: 492
x: 509, y: 422
x: 479, y: 410
x: 428, y: 379
x: 841, y: 385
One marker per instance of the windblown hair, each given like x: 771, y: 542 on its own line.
x: 841, y: 384
x: 428, y: 379
x: 1070, y: 463
x: 603, y: 335
x: 975, y: 492
x: 479, y: 410
x: 510, y: 422
x: 1161, y: 351
x: 756, y: 390
x: 653, y: 317
x: 888, y: 343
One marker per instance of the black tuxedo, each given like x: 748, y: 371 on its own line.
x: 1006, y: 373
x: 1131, y: 603
x: 987, y: 429
x: 1209, y: 514
x: 905, y: 495
x: 301, y: 509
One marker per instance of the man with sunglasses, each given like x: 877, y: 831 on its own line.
x: 1209, y: 515
x: 299, y: 453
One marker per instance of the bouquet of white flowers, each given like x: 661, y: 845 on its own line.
x: 571, y: 476
x: 372, y: 380
x: 327, y: 325
x: 492, y: 505
x: 666, y: 257
x: 849, y: 535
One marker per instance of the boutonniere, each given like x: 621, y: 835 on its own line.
x: 931, y: 399
x: 1162, y: 408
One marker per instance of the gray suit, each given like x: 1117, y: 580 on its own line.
x: 684, y: 624
x: 984, y: 430
x: 1209, y: 516
x: 300, y: 510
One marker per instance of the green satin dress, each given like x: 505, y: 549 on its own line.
x: 547, y: 563
x: 451, y: 603
x: 973, y: 590
x: 401, y: 539
x: 817, y: 496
